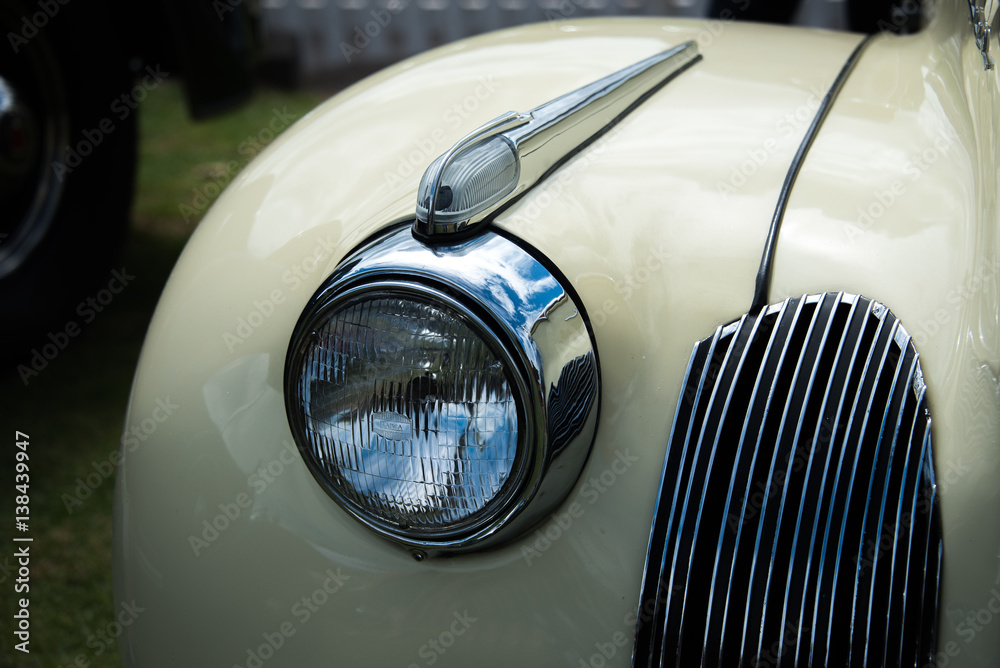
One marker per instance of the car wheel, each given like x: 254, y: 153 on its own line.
x: 67, y: 163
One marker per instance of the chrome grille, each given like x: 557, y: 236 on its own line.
x: 796, y: 522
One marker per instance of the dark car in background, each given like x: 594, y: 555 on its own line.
x: 72, y: 75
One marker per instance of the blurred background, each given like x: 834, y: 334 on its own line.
x: 310, y: 40
x: 120, y: 124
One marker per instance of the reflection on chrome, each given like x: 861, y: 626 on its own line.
x: 498, y: 162
x: 411, y: 412
x: 445, y: 397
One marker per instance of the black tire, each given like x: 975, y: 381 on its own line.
x: 67, y: 69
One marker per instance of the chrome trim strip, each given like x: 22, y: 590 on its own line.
x: 738, y: 472
x: 545, y: 137
x: 893, y: 571
x: 890, y: 420
x: 848, y: 387
x: 810, y: 398
x: 715, y: 446
x: 762, y: 283
x: 650, y: 578
x: 803, y: 398
x: 868, y: 382
x: 757, y: 558
x: 928, y: 624
x: 910, y: 369
x: 826, y: 309
x: 723, y: 386
x: 828, y: 394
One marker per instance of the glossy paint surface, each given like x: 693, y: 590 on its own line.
x: 224, y: 537
x: 899, y: 199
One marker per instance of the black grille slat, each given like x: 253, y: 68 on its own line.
x: 772, y: 360
x: 831, y: 588
x: 687, y: 542
x: 781, y: 531
x: 845, y: 375
x: 753, y: 423
x: 864, y: 481
x: 810, y: 422
x: 796, y: 404
x: 929, y: 583
x: 909, y: 489
x: 755, y: 597
x: 648, y: 636
x: 877, y: 588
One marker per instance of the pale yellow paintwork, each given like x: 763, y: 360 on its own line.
x: 659, y: 227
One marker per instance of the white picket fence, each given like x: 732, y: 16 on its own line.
x: 322, y: 36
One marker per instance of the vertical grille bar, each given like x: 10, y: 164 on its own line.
x: 796, y: 522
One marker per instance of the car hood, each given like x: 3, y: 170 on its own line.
x: 659, y: 227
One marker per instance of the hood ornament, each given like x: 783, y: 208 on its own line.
x: 497, y: 163
x: 984, y: 12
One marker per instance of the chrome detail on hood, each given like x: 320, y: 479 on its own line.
x: 490, y: 167
x: 983, y: 16
x: 797, y: 520
x: 529, y: 319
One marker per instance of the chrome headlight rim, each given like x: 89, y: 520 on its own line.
x: 546, y: 466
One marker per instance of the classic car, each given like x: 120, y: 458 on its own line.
x: 690, y: 359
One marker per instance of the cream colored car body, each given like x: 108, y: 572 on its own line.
x: 659, y: 227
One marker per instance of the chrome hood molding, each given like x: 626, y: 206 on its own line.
x: 501, y: 160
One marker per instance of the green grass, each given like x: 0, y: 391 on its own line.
x: 74, y: 409
x: 182, y: 159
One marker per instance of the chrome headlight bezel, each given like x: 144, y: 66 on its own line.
x: 528, y: 318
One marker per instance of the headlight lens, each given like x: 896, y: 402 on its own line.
x: 410, y: 411
x: 446, y: 397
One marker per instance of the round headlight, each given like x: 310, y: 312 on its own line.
x: 419, y: 390
x: 411, y: 411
